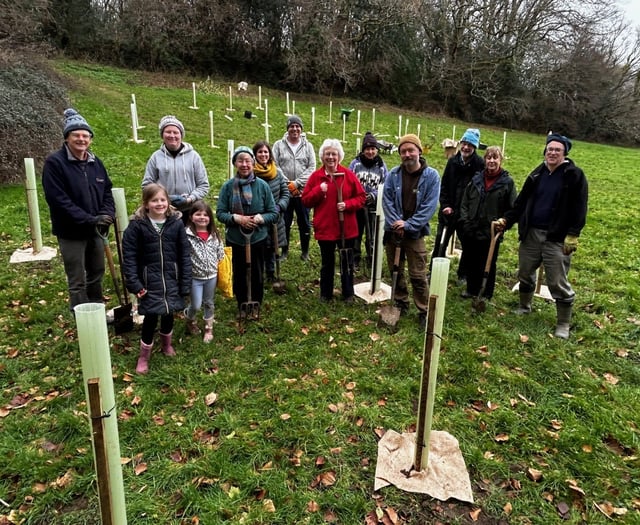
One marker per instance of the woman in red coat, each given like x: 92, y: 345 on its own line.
x: 335, y: 193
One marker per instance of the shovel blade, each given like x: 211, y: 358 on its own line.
x: 280, y: 287
x: 479, y: 304
x: 389, y: 317
x: 122, y: 319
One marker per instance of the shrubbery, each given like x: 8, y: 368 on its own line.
x: 32, y: 99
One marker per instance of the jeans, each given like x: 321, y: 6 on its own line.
x: 84, y: 266
x: 202, y: 290
x: 302, y: 218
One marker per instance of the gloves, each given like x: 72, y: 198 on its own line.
x: 104, y: 220
x: 570, y: 244
x: 499, y: 224
x: 293, y: 189
x: 177, y: 200
x: 370, y: 199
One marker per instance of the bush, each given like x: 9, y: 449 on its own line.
x: 32, y: 99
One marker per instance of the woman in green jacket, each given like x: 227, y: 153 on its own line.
x: 247, y: 209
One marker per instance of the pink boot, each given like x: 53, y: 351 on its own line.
x: 208, y: 330
x: 143, y: 361
x: 165, y: 342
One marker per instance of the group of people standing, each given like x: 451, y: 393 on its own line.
x: 172, y: 248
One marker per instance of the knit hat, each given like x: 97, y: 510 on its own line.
x: 471, y: 136
x: 556, y: 137
x: 369, y: 141
x: 241, y: 149
x: 294, y: 119
x: 170, y: 120
x: 410, y: 138
x: 74, y: 121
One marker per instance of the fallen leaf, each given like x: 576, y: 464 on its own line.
x: 374, y: 337
x: 136, y: 401
x: 524, y: 338
x: 64, y: 481
x: 140, y: 468
x: 474, y: 514
x: 501, y: 438
x: 285, y: 417
x: 610, y: 378
x: 210, y: 398
x: 507, y: 509
x: 312, y: 506
x: 268, y: 505
x: 534, y: 474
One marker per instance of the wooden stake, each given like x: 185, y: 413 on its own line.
x: 100, y: 450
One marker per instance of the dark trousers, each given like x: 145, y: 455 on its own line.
x: 328, y: 268
x: 149, y: 326
x: 302, y: 219
x: 239, y: 270
x: 477, y: 252
x: 84, y: 266
x: 366, y: 229
x: 440, y: 244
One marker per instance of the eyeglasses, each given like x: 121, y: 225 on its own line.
x: 555, y: 150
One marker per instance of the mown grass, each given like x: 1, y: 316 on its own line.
x: 308, y: 389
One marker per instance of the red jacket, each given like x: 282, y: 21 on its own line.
x: 326, y: 223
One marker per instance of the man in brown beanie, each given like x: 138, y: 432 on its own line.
x: 410, y: 199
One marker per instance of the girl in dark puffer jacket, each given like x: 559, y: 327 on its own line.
x: 157, y: 267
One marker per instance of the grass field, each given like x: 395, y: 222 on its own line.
x: 548, y: 428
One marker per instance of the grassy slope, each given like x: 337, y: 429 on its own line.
x: 312, y: 382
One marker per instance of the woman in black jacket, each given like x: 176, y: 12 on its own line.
x: 157, y: 267
x: 489, y: 195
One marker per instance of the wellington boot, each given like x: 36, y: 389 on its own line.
x: 563, y: 324
x: 165, y: 342
x: 192, y: 326
x: 525, y: 303
x: 208, y: 330
x: 143, y: 360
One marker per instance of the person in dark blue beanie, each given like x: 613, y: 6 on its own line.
x: 78, y: 191
x: 551, y: 211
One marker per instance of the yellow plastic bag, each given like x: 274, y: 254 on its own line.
x: 225, y: 282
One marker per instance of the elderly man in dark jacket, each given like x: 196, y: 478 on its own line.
x: 551, y: 211
x: 78, y: 191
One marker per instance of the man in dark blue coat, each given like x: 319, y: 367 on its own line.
x: 78, y: 191
x: 551, y: 210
